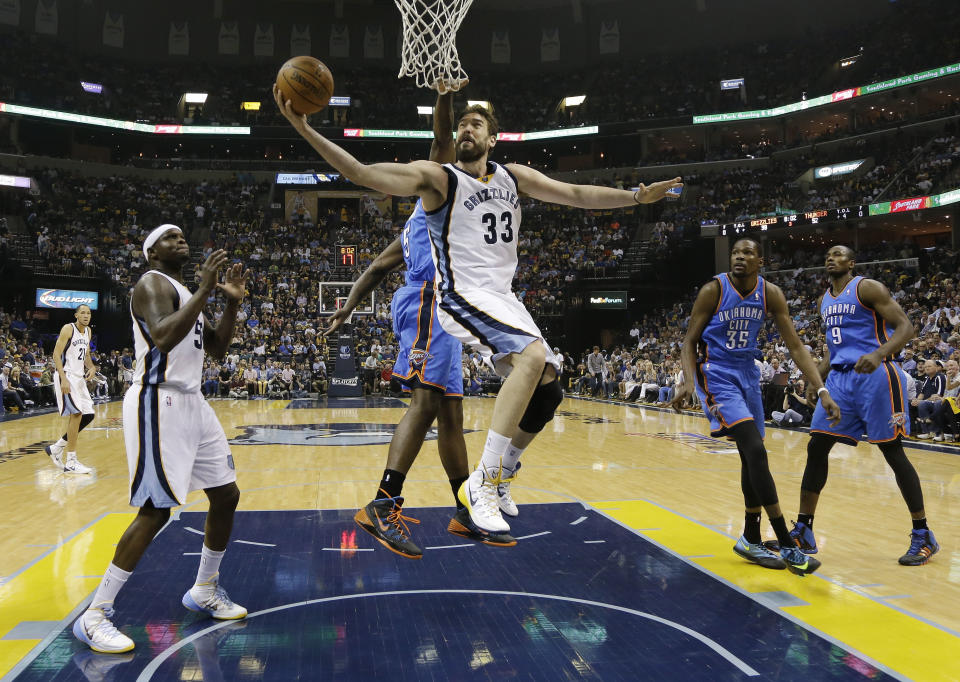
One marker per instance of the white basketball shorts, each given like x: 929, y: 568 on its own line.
x: 175, y: 444
x: 494, y: 323
x: 78, y: 400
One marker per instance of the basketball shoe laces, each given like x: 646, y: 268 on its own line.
x: 105, y: 627
x: 917, y: 542
x: 488, y: 496
x: 399, y: 522
x: 220, y: 598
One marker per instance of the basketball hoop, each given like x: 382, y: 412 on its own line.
x: 429, y: 52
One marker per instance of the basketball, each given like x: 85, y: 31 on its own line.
x: 307, y: 83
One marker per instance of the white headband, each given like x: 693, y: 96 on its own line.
x: 154, y: 237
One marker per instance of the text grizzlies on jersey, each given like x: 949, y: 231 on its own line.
x: 491, y: 194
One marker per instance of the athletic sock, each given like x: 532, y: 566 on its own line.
x: 110, y: 585
x: 209, y: 564
x: 62, y: 443
x: 807, y: 519
x: 455, y: 484
x: 510, y: 459
x: 391, y: 485
x: 751, y: 527
x: 783, y: 535
x: 920, y: 524
x: 494, y: 451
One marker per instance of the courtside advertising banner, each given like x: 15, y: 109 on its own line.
x: 66, y: 298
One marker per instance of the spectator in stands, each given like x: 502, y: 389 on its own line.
x: 929, y: 396
x: 11, y: 397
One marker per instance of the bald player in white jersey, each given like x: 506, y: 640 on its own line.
x: 173, y: 439
x: 472, y: 209
x: 71, y: 356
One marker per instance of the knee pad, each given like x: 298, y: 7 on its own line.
x: 541, y: 407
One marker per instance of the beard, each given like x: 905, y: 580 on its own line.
x: 469, y: 155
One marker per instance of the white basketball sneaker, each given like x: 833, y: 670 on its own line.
x: 213, y: 599
x: 507, y: 505
x: 73, y: 465
x: 94, y: 629
x: 56, y: 454
x: 479, y: 495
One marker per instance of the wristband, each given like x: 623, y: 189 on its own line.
x: 822, y: 389
x: 635, y: 199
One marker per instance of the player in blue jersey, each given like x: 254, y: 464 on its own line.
x: 729, y: 312
x: 428, y: 364
x: 870, y: 388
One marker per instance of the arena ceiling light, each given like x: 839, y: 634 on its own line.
x: 479, y: 102
x: 424, y: 111
x: 195, y: 97
x: 574, y: 100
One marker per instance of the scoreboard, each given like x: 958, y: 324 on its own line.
x: 346, y: 255
x: 789, y: 220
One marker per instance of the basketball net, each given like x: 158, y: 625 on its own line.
x: 429, y: 52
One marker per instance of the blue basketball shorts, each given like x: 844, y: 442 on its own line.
x: 874, y: 404
x: 730, y: 395
x: 427, y: 357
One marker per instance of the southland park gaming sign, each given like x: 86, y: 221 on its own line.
x: 66, y: 298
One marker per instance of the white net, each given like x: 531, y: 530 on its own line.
x: 429, y: 52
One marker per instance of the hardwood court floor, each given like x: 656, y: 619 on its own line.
x: 651, y: 470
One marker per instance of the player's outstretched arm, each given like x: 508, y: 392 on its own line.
x: 423, y: 178
x: 874, y: 295
x: 442, y: 149
x: 385, y: 262
x: 777, y: 306
x: 155, y: 303
x: 703, y: 309
x: 535, y: 184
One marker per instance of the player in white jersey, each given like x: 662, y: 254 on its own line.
x: 473, y: 214
x: 71, y: 356
x: 174, y: 442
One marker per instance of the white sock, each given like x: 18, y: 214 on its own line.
x: 61, y: 443
x: 209, y: 564
x: 493, y: 452
x: 112, y: 581
x: 510, y: 459
x: 71, y: 455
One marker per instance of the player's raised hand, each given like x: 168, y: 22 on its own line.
x: 339, y: 318
x: 234, y: 284
x: 681, y: 395
x: 648, y: 194
x: 298, y: 121
x: 210, y: 270
x: 867, y: 363
x: 833, y: 410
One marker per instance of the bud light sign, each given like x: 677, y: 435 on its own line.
x: 66, y: 298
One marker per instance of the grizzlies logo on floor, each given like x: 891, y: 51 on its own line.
x: 321, y: 434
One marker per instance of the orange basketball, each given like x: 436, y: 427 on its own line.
x: 307, y: 83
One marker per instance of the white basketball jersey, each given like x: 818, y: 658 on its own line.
x: 182, y: 367
x: 474, y: 234
x: 74, y: 355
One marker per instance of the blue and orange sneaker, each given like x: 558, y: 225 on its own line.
x: 922, y: 546
x: 802, y: 534
x: 383, y: 518
x: 797, y: 562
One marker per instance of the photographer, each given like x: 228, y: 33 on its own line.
x: 796, y: 409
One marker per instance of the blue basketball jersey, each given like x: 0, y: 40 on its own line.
x: 415, y: 240
x: 731, y: 335
x: 852, y: 328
